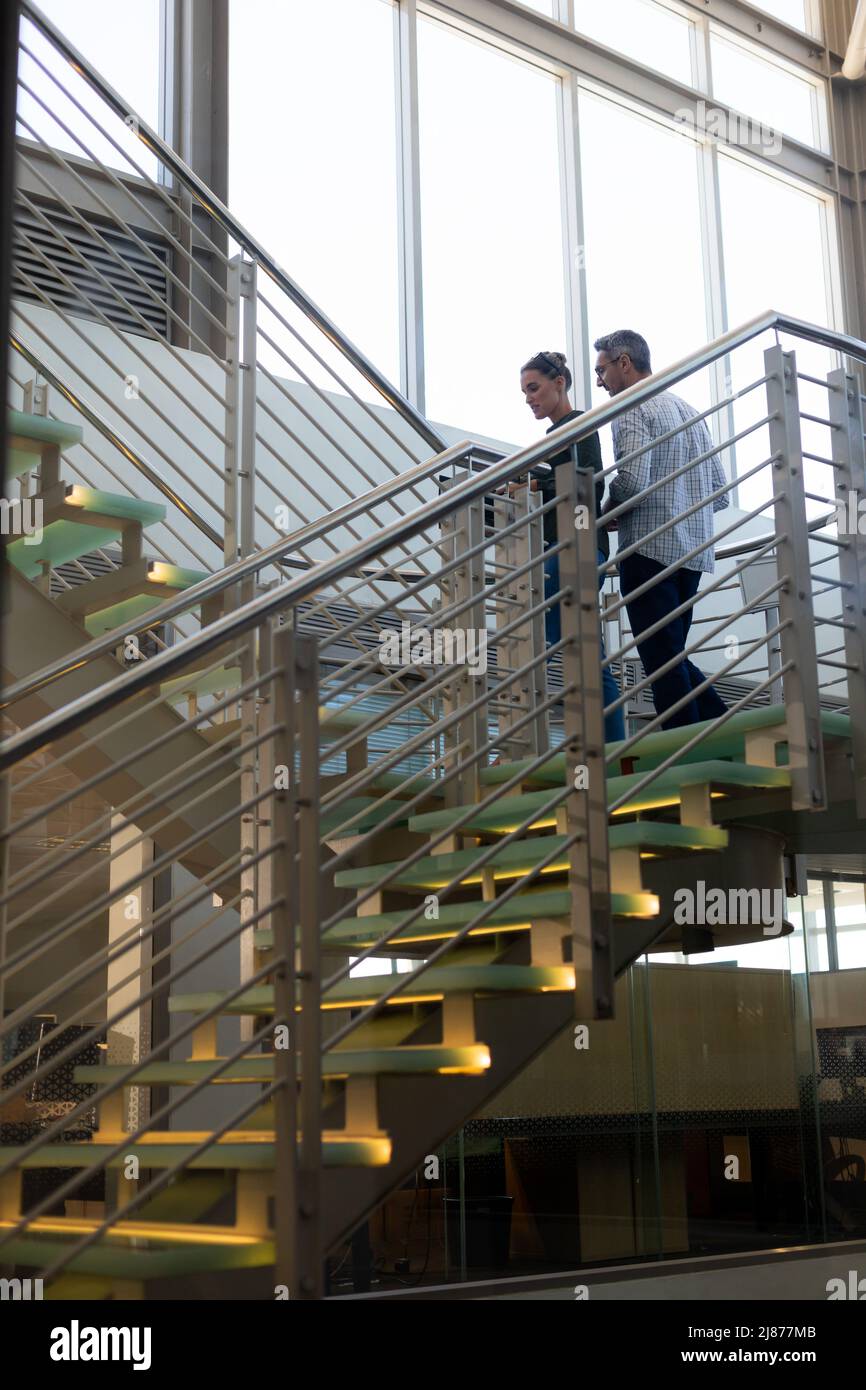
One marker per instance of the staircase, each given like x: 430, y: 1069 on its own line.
x: 410, y: 842
x: 233, y: 791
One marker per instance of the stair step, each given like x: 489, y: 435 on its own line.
x: 170, y: 1255
x: 238, y: 1149
x: 729, y: 741
x: 518, y: 914
x: 65, y: 537
x: 511, y: 811
x: 336, y: 720
x: 120, y: 505
x: 432, y: 986
x: 518, y: 857
x: 162, y: 581
x: 379, y: 1061
x: 39, y: 429
x: 725, y: 742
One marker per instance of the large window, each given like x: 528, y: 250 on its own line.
x: 312, y: 155
x: 491, y: 230
x: 776, y: 94
x: 849, y: 914
x: 778, y: 255
x: 642, y: 232
x: 651, y: 33
x: 800, y: 14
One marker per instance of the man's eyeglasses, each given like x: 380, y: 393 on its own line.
x: 601, y: 368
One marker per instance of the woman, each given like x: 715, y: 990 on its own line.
x: 545, y: 381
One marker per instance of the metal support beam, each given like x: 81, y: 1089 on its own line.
x: 201, y: 116
x: 527, y: 643
x: 585, y: 810
x: 412, y: 382
x: 849, y: 456
x: 800, y: 680
x: 305, y: 681
x: 462, y: 532
x: 278, y: 762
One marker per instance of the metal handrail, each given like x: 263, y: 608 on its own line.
x: 328, y: 571
x: 504, y: 471
x: 216, y: 209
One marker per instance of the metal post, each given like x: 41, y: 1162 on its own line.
x: 244, y: 396
x: 774, y: 653
x: 231, y: 503
x: 800, y: 681
x: 409, y: 205
x: 462, y: 531
x: 585, y: 810
x: 5, y: 853
x: 278, y: 762
x: 527, y: 643
x: 849, y: 456
x: 248, y: 301
x: 306, y: 804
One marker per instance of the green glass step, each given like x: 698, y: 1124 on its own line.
x: 336, y: 720
x: 516, y: 858
x: 511, y: 811
x: 174, y: 576
x: 518, y: 914
x: 116, y: 1258
x: 246, y: 1150
x: 432, y: 985
x: 64, y: 538
x: 728, y: 741
x: 377, y: 1061
x: 163, y: 581
x: 41, y: 430
x: 61, y: 542
x: 114, y: 504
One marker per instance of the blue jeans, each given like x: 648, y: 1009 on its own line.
x: 614, y: 722
x: 669, y: 641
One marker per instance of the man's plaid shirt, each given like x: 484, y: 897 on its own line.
x: 640, y: 427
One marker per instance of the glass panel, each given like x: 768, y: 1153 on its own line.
x: 127, y: 56
x: 792, y: 12
x: 668, y: 305
x: 312, y: 155
x: 491, y: 230
x: 849, y: 903
x: 775, y: 244
x: 813, y: 918
x: 649, y: 33
x: 771, y: 93
x: 543, y: 6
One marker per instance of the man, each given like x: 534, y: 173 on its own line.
x: 624, y: 358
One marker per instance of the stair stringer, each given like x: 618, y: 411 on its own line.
x: 37, y: 633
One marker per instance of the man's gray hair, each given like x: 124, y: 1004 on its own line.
x: 628, y: 342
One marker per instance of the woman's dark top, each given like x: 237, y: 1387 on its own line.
x: 586, y: 454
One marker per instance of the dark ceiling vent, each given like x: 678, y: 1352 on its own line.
x: 115, y: 299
